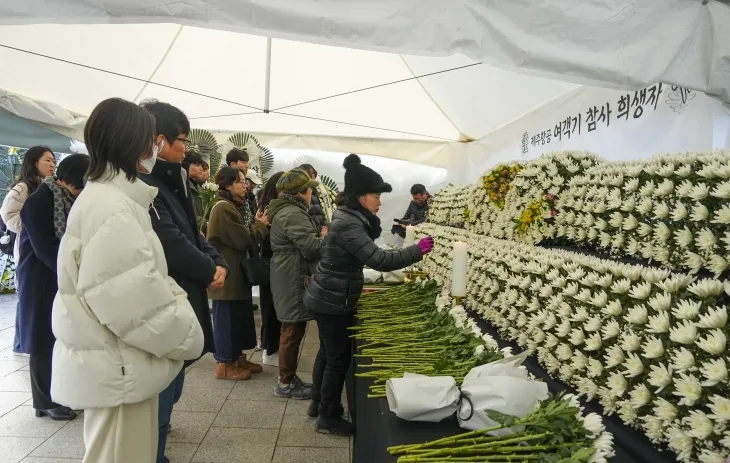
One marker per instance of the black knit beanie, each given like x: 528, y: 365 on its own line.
x: 360, y: 179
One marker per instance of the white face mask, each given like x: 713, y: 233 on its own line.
x: 149, y: 163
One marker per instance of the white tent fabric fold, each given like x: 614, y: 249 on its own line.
x: 606, y: 43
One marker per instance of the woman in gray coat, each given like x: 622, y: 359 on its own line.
x: 296, y: 244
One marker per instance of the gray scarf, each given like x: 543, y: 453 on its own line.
x: 62, y: 202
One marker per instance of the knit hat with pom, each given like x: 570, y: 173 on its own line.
x: 360, y: 179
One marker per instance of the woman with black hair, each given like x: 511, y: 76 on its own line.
x: 270, y: 324
x: 38, y: 163
x: 123, y: 326
x: 44, y: 224
x: 234, y: 236
x: 337, y: 284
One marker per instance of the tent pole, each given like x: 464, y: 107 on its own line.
x: 267, y: 88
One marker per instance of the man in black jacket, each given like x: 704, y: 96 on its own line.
x: 192, y: 262
x: 416, y: 212
x: 315, y: 208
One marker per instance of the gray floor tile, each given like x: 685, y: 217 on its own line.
x: 66, y: 443
x: 296, y: 407
x: 205, y: 362
x: 22, y: 422
x: 10, y: 366
x: 11, y: 400
x: 251, y: 414
x: 18, y: 381
x: 306, y: 363
x: 296, y: 429
x: 201, y: 399
x: 180, y: 452
x: 14, y: 449
x: 51, y: 460
x: 190, y: 427
x: 202, y: 377
x: 253, y: 390
x: 310, y: 350
x: 236, y: 444
x: 310, y: 455
x: 8, y: 354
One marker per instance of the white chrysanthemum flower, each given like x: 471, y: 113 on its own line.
x: 700, y: 426
x: 593, y: 423
x: 647, y: 189
x: 662, y: 232
x: 614, y: 357
x: 640, y: 396
x: 631, y: 185
x: 616, y: 219
x: 577, y: 337
x: 593, y: 343
x: 720, y: 408
x: 478, y: 350
x: 621, y: 286
x: 571, y: 289
x: 665, y: 188
x: 550, y: 322
x: 628, y: 205
x: 683, y: 237
x: 627, y: 413
x: 653, y: 428
x: 699, y: 213
x: 660, y: 376
x: 683, y: 360
x: 564, y: 328
x: 659, y: 323
x: 705, y: 289
x: 683, y: 171
x: 645, y: 206
x: 688, y: 388
x: 722, y: 190
x: 687, y: 309
x: 593, y: 324
x: 717, y: 265
x: 630, y: 342
x: 716, y: 317
x: 641, y: 291
x: 618, y: 241
x: 584, y: 296
x: 706, y: 240
x: 722, y: 215
x: 708, y: 456
x: 634, y: 366
x: 579, y: 360
x: 563, y: 352
x: 680, y: 212
x: 660, y: 302
x: 210, y: 186
x: 693, y: 261
x: 684, y: 333
x: 595, y: 368
x: 714, y: 343
x: 604, y: 443
x: 600, y: 224
x: 714, y: 371
x: 564, y: 310
x: 617, y: 384
x: 603, y: 281
x: 506, y: 352
x: 681, y: 443
x: 653, y: 348
x: 665, y: 410
x: 675, y: 283
x: 587, y: 388
x: 559, y: 282
x: 637, y: 315
x: 605, y: 240
x: 661, y: 210
x: 610, y: 329
x: 699, y: 192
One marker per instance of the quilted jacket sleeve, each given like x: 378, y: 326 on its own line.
x: 355, y: 240
x: 298, y: 228
x: 12, y: 204
x: 120, y: 281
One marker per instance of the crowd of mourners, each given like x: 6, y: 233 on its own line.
x: 119, y: 256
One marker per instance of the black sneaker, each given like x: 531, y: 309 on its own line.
x: 313, y: 409
x: 335, y: 426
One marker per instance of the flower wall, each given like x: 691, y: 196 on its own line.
x: 649, y: 342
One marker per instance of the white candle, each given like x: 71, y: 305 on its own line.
x: 458, y: 281
x: 410, y: 236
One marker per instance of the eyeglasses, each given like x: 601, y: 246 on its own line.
x: 184, y: 140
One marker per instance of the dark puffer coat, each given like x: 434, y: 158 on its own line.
x: 316, y: 212
x: 337, y: 284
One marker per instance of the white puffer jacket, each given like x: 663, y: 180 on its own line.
x: 123, y: 326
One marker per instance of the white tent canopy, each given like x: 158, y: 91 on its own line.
x: 297, y: 90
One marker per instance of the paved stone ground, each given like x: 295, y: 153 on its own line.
x: 214, y: 422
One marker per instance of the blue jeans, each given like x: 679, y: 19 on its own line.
x: 168, y: 398
x: 234, y: 329
x: 16, y: 338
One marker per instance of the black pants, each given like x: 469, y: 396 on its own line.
x: 234, y: 329
x: 40, y: 381
x: 332, y: 362
x: 270, y: 325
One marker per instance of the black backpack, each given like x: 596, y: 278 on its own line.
x: 7, y: 239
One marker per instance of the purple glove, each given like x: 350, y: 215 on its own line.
x: 426, y: 244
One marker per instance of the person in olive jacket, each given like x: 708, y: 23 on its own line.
x: 297, y: 245
x: 337, y: 284
x: 233, y: 232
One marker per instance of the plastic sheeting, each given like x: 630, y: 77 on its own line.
x: 608, y: 43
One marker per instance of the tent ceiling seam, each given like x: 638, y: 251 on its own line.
x: 162, y: 60
x: 431, y: 98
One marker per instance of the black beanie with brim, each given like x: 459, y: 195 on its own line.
x: 361, y: 179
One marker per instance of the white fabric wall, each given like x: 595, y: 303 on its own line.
x: 681, y: 122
